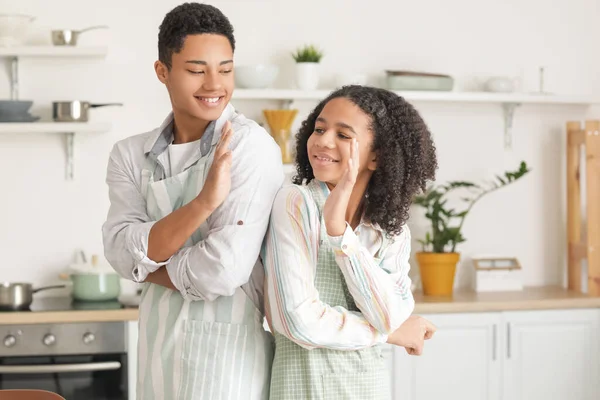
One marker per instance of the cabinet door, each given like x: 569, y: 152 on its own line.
x: 462, y: 361
x: 551, y: 355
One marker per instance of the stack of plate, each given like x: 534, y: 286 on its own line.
x: 16, y: 111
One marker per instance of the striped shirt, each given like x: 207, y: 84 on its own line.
x: 379, y: 283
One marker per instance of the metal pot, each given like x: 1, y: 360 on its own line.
x: 68, y: 37
x: 74, y: 111
x: 19, y: 296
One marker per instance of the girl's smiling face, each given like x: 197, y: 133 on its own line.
x: 328, y: 147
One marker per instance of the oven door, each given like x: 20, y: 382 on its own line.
x: 79, y: 377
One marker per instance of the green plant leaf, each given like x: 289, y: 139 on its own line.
x: 445, y: 236
x: 308, y: 53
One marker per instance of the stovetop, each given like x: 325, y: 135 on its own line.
x: 46, y: 304
x: 38, y: 339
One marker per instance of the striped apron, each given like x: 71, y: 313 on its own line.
x: 197, y: 350
x: 325, y: 374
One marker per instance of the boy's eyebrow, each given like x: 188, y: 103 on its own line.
x: 340, y: 124
x: 201, y: 62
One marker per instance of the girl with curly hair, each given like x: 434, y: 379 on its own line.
x: 337, y: 250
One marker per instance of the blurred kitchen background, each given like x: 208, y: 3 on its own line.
x: 512, y: 75
x: 46, y: 217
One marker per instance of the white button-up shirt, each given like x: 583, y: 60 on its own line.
x: 228, y: 257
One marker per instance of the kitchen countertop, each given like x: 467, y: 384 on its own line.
x: 58, y: 317
x: 56, y: 310
x: 530, y: 298
x: 533, y: 298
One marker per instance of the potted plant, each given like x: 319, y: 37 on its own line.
x: 307, y: 62
x: 438, y: 258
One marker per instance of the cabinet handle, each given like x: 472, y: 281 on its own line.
x: 508, y: 340
x: 494, y: 339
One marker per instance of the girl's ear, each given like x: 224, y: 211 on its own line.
x: 372, y: 163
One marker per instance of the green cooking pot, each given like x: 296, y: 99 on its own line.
x: 93, y: 283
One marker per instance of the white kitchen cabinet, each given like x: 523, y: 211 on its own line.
x: 460, y: 362
x: 520, y: 355
x: 551, y: 355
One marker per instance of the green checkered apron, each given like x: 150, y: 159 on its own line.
x: 193, y: 350
x: 323, y: 374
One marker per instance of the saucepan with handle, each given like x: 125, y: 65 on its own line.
x: 75, y: 111
x: 69, y: 37
x: 16, y: 296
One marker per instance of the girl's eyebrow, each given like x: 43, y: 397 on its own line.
x: 340, y: 124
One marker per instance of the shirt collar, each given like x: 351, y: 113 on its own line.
x: 162, y: 136
x: 165, y: 129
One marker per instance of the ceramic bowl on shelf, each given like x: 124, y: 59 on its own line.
x: 14, y: 28
x: 16, y: 111
x: 258, y: 76
x: 500, y: 84
x: 15, y: 107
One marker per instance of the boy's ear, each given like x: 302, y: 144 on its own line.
x: 162, y: 72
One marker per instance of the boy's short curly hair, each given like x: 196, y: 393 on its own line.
x: 190, y: 19
x: 406, y: 154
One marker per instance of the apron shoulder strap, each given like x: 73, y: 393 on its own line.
x: 149, y: 170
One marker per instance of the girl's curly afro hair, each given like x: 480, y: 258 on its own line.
x: 406, y: 154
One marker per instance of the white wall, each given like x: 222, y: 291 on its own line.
x: 43, y: 218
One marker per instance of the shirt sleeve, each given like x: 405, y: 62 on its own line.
x: 381, y: 288
x: 127, y: 227
x: 224, y: 260
x: 292, y: 300
x: 226, y: 257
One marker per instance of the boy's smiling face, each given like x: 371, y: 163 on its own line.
x: 200, y: 81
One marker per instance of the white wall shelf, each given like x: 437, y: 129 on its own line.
x: 69, y: 129
x: 508, y: 101
x: 17, y: 52
x: 425, y: 96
